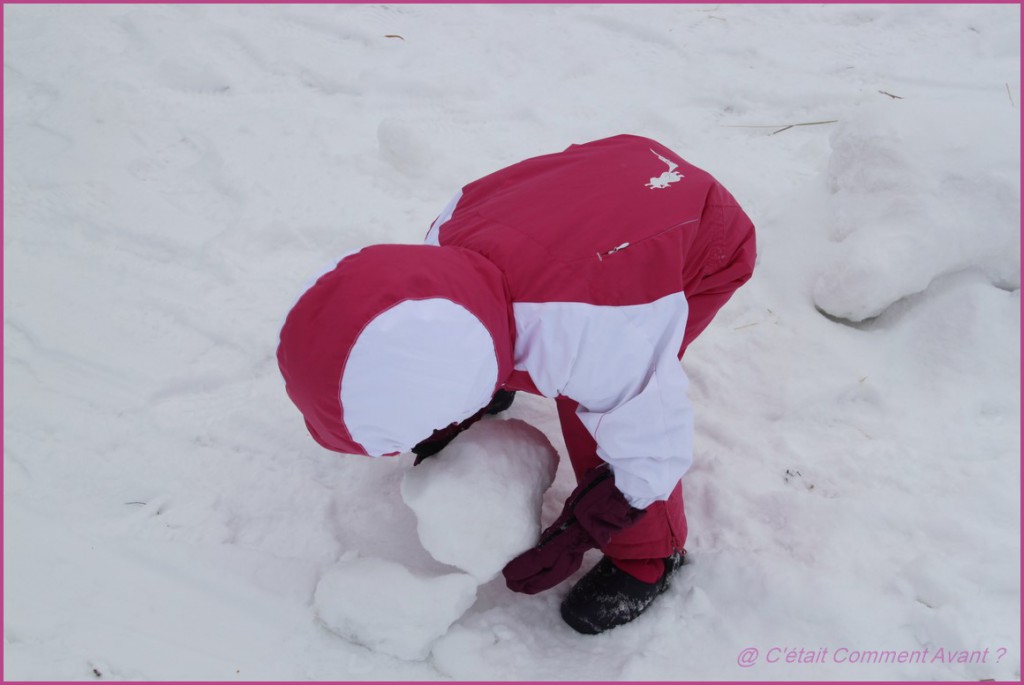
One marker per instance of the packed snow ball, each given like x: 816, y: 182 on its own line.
x: 385, y: 607
x: 478, y: 501
x: 919, y: 191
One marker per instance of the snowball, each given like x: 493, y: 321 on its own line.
x: 385, y: 607
x: 920, y: 190
x: 478, y: 502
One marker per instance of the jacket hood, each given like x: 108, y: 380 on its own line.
x: 395, y: 342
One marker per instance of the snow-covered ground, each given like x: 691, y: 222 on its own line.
x: 175, y: 175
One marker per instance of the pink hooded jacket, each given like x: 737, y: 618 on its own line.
x: 567, y: 275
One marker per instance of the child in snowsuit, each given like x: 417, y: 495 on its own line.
x: 580, y: 276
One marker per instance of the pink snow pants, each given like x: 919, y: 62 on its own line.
x: 663, y: 530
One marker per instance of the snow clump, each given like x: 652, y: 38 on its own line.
x: 920, y: 190
x: 387, y: 608
x: 478, y: 502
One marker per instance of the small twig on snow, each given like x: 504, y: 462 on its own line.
x: 394, y: 35
x: 1009, y: 94
x: 812, y: 123
x: 894, y: 97
x: 862, y: 432
x: 784, y: 127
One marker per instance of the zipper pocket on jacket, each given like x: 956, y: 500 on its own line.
x: 623, y: 246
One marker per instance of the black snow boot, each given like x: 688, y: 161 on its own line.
x: 607, y: 596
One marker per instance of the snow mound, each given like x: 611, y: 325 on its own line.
x: 405, y: 148
x: 920, y: 190
x: 387, y: 608
x: 477, y: 504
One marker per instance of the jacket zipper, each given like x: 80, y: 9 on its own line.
x: 602, y: 255
x: 623, y: 246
